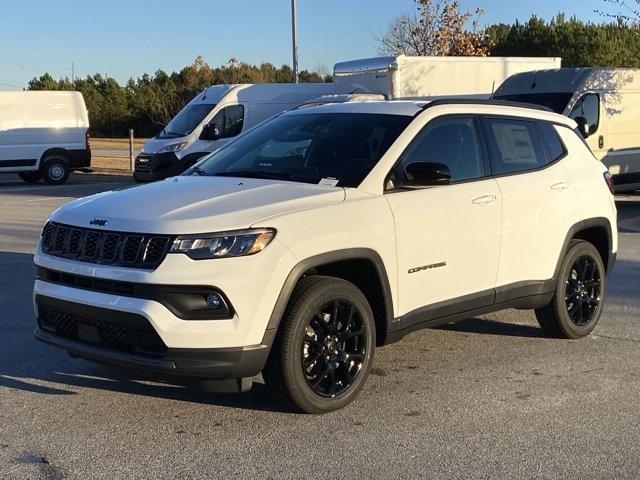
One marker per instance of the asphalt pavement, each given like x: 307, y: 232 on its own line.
x: 489, y: 397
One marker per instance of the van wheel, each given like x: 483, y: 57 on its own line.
x: 576, y: 307
x: 30, y: 177
x: 55, y: 170
x: 324, y: 349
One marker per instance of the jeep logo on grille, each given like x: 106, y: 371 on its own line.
x: 99, y: 222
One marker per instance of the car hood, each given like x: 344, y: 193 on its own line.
x: 192, y: 204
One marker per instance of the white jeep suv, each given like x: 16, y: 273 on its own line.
x: 328, y: 231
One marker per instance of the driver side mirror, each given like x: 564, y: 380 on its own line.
x: 210, y: 131
x: 426, y: 174
x: 585, y: 129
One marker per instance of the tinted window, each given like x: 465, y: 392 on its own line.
x: 514, y: 146
x: 588, y: 107
x: 555, y: 101
x: 553, y: 144
x: 308, y: 147
x: 229, y: 120
x: 452, y: 142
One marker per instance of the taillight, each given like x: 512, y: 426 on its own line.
x: 87, y: 140
x: 609, y: 179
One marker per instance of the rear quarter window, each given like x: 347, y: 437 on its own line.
x: 553, y: 145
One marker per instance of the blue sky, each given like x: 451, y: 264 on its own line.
x: 128, y: 38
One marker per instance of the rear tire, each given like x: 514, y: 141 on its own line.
x: 30, y: 177
x: 325, y: 347
x: 577, y: 304
x: 55, y: 170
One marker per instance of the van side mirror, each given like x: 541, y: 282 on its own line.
x: 426, y: 174
x: 585, y: 129
x: 211, y: 131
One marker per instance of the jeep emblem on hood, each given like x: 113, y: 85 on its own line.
x: 99, y: 222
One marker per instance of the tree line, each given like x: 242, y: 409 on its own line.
x: 147, y: 103
x: 438, y: 27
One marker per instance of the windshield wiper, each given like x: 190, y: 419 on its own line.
x: 256, y: 174
x: 200, y: 172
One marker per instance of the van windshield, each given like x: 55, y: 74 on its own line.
x: 186, y: 120
x: 555, y: 101
x: 335, y: 148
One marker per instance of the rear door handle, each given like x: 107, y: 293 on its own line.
x: 560, y: 186
x: 484, y: 200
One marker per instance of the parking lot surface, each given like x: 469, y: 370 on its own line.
x: 489, y: 397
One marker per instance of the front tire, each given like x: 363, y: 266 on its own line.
x: 55, y: 170
x: 325, y: 348
x: 577, y: 305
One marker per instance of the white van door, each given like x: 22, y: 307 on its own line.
x: 622, y: 140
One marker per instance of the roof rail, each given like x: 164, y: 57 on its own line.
x: 469, y: 101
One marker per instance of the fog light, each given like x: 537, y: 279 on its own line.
x: 214, y: 301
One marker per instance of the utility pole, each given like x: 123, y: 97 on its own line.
x: 294, y: 40
x: 73, y: 76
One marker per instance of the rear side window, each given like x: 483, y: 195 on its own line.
x: 552, y: 143
x: 514, y: 145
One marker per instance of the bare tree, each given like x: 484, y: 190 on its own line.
x: 626, y: 11
x: 436, y: 27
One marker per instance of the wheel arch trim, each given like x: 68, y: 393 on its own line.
x: 325, y: 259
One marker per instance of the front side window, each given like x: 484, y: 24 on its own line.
x: 340, y: 148
x: 514, y: 146
x: 229, y: 121
x: 452, y: 142
x: 186, y: 120
x: 588, y: 108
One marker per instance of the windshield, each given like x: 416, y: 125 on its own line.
x: 555, y: 101
x: 335, y: 148
x: 186, y: 120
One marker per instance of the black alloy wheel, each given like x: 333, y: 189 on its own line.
x: 583, y: 290
x: 334, y: 348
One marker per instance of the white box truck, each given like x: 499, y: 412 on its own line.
x: 43, y: 134
x: 604, y: 102
x: 409, y: 77
x: 214, y: 118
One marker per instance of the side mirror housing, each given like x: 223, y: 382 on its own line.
x: 585, y: 129
x: 426, y: 174
x: 210, y: 131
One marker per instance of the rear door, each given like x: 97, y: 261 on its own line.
x: 539, y: 204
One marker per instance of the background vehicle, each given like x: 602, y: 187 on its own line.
x: 328, y: 231
x: 605, y: 103
x: 43, y: 135
x: 432, y: 77
x: 214, y: 118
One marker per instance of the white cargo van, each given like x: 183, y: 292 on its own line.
x: 43, y: 134
x: 215, y: 117
x: 604, y: 102
x: 407, y: 77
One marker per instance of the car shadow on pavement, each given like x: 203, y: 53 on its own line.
x: 494, y: 327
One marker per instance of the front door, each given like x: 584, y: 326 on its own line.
x: 447, y: 236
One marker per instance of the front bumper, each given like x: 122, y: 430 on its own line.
x: 128, y: 341
x: 150, y: 167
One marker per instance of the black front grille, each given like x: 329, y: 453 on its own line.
x: 104, y: 247
x: 133, y: 334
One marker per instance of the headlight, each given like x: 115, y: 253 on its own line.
x: 225, y: 244
x: 174, y: 147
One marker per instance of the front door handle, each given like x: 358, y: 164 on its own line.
x: 484, y: 200
x: 601, y: 142
x: 560, y: 186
